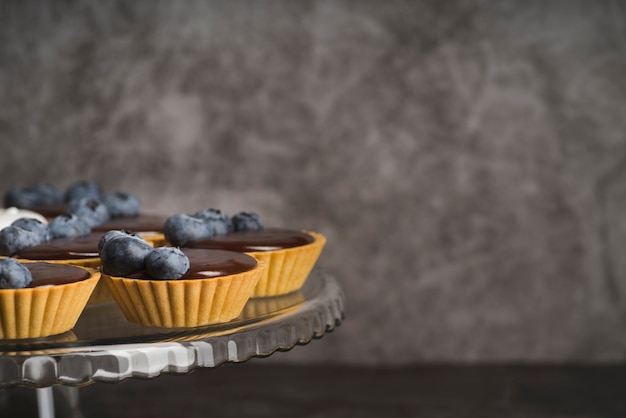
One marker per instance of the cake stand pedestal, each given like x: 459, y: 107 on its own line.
x: 105, y: 347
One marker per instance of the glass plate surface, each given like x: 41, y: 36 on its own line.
x: 105, y: 347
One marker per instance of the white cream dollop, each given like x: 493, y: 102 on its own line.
x: 10, y: 215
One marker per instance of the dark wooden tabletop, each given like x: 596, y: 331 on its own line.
x: 255, y: 389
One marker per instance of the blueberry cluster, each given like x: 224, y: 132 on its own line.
x: 29, y: 232
x: 83, y: 196
x: 40, y: 194
x: 86, y: 198
x: 123, y: 253
x: 13, y: 275
x: 83, y: 188
x: 180, y: 229
x: 87, y: 207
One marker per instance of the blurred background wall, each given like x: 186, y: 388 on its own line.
x: 466, y: 159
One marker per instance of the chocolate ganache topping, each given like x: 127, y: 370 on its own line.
x: 205, y: 264
x: 64, y: 248
x: 46, y: 274
x: 267, y: 239
x: 140, y: 224
x: 49, y: 211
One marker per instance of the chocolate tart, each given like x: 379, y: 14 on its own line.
x: 50, y: 305
x: 289, y: 255
x: 214, y: 290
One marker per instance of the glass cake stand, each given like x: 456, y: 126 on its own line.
x: 105, y: 347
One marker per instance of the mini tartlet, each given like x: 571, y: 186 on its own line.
x: 290, y: 255
x: 50, y: 305
x: 79, y: 251
x: 213, y: 289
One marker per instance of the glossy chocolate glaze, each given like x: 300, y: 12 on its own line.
x: 64, y: 248
x: 49, y: 211
x: 267, y: 239
x: 46, y: 274
x: 204, y: 264
x: 142, y: 223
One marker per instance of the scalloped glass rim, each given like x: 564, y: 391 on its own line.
x: 104, y: 347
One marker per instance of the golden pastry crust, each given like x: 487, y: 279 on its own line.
x: 92, y: 262
x: 156, y: 240
x: 287, y: 269
x: 101, y: 292
x: 45, y: 310
x: 184, y: 303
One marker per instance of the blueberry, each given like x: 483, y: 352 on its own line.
x: 181, y: 229
x: 122, y: 204
x: 218, y: 221
x: 122, y: 256
x: 167, y: 263
x: 247, y: 221
x: 13, y: 274
x: 14, y: 239
x: 47, y: 193
x: 21, y: 197
x: 13, y: 198
x: 35, y: 226
x: 91, y: 210
x: 68, y: 225
x: 116, y: 234
x: 41, y: 194
x: 83, y: 188
x: 211, y: 213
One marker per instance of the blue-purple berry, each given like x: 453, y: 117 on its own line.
x: 19, y: 197
x: 83, y: 188
x: 116, y: 234
x: 122, y: 204
x: 13, y: 274
x: 123, y: 255
x: 40, y: 194
x: 219, y: 222
x: 166, y: 263
x: 14, y: 239
x: 247, y: 221
x: 35, y: 226
x: 48, y: 194
x: 68, y: 225
x: 180, y: 229
x: 93, y: 211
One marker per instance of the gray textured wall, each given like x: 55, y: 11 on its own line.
x: 466, y: 159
